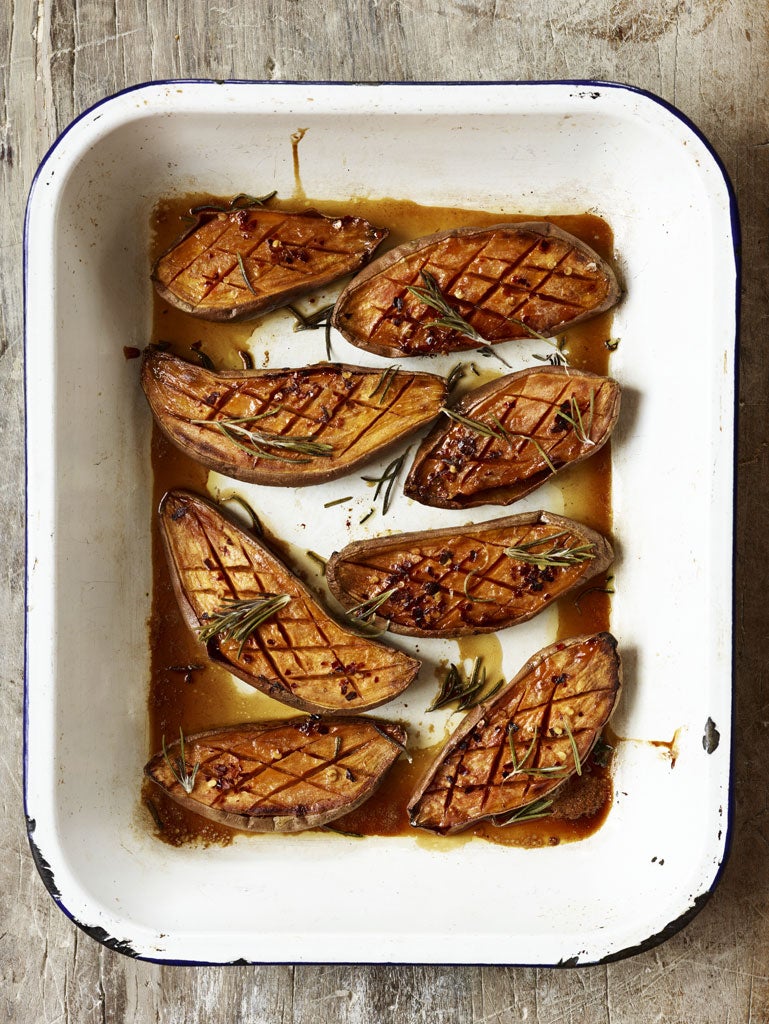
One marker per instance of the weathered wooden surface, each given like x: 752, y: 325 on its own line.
x: 710, y: 58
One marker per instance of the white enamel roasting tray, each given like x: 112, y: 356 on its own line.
x: 546, y: 148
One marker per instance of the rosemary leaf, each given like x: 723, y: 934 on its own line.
x: 245, y: 276
x: 575, y: 420
x: 366, y: 609
x: 401, y: 746
x: 573, y: 742
x: 341, y: 832
x: 594, y: 590
x: 318, y: 559
x: 328, y: 339
x: 337, y: 501
x: 238, y: 619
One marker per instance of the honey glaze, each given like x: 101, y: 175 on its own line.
x: 188, y: 691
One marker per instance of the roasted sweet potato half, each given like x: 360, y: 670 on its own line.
x: 280, y: 776
x: 287, y: 427
x: 513, y: 752
x: 468, y: 579
x: 258, y: 620
x: 508, y: 437
x: 235, y: 264
x: 503, y: 282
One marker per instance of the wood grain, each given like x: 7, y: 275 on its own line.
x: 710, y: 58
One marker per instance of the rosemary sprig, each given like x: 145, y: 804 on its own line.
x: 387, y: 480
x: 368, y: 608
x: 537, y: 809
x: 498, y: 431
x: 520, y: 768
x: 575, y: 420
x: 450, y: 319
x: 256, y: 442
x: 239, y: 618
x: 242, y: 201
x: 310, y: 321
x: 385, y: 383
x: 468, y: 692
x: 337, y: 501
x: 244, y: 275
x: 179, y: 770
x: 558, y: 556
x: 556, y: 358
x: 488, y: 351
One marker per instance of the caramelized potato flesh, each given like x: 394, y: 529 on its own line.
x: 299, y: 655
x: 506, y: 282
x: 287, y: 427
x: 281, y: 776
x: 505, y: 439
x: 235, y: 264
x: 515, y: 750
x: 470, y: 579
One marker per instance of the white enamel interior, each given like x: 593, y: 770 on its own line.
x: 541, y: 149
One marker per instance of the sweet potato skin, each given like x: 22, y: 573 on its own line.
x: 458, y: 581
x: 300, y: 656
x: 280, y: 776
x: 506, y: 281
x: 236, y: 264
x: 474, y: 777
x: 456, y: 466
x: 357, y: 411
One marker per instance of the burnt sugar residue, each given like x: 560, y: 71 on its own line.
x: 187, y: 690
